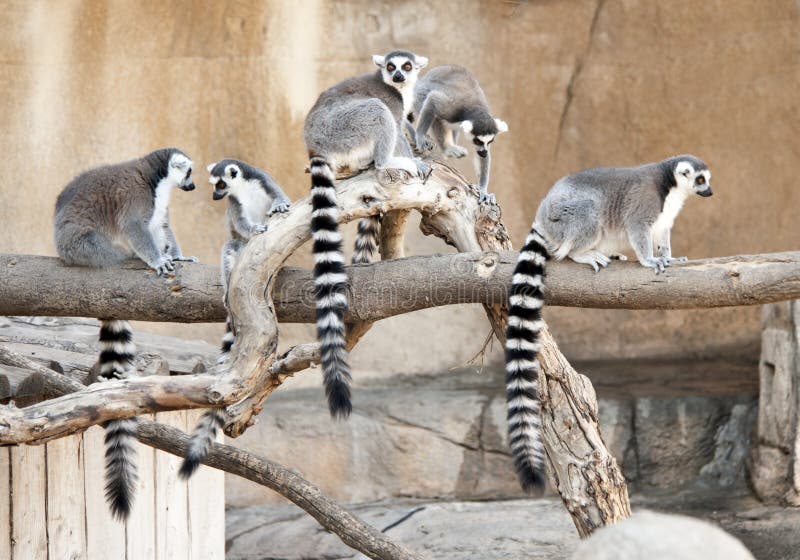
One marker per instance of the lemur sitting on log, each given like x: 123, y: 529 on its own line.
x: 590, y: 217
x: 103, y: 217
x: 353, y: 125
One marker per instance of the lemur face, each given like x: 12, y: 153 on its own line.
x: 482, y: 141
x: 694, y: 180
x: 400, y: 69
x: 221, y: 176
x: 180, y: 171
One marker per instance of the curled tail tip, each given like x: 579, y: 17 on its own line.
x: 200, y: 442
x: 533, y: 481
x: 121, y: 476
x: 189, y: 466
x: 339, y: 402
x: 119, y: 504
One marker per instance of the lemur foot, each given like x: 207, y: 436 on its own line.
x: 424, y: 169
x: 402, y: 164
x: 659, y: 264
x: 595, y: 259
x: 185, y: 259
x: 678, y: 259
x: 618, y: 257
x: 455, y: 151
x: 424, y: 144
x: 258, y: 229
x: 279, y: 206
x: 164, y: 266
x: 487, y: 198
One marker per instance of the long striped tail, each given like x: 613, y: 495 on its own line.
x: 526, y: 299
x: 330, y: 284
x: 366, y: 239
x: 200, y: 444
x: 227, y: 342
x: 116, y: 362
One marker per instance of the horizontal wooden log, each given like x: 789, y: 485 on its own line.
x: 35, y: 285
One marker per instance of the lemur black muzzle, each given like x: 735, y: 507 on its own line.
x: 398, y: 77
x: 707, y: 192
x: 218, y: 195
x: 482, y: 153
x: 189, y: 187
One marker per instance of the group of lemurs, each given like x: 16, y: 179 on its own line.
x: 117, y: 212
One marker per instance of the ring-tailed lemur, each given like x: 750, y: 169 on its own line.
x: 103, y: 217
x: 449, y: 99
x: 354, y: 124
x: 585, y: 215
x: 253, y: 196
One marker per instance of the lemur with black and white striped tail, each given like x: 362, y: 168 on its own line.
x: 253, y: 195
x: 353, y: 125
x: 590, y: 216
x: 103, y: 217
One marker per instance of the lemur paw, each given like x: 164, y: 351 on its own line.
x: 424, y: 169
x: 257, y: 229
x: 679, y: 259
x: 280, y: 206
x: 185, y: 259
x: 487, y: 198
x: 455, y: 152
x: 164, y: 266
x: 424, y: 144
x: 658, y: 264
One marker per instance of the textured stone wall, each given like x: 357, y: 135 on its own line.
x: 580, y: 83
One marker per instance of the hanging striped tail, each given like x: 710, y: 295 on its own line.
x: 330, y: 283
x: 200, y: 444
x: 227, y: 342
x: 116, y: 362
x: 526, y: 299
x: 366, y: 239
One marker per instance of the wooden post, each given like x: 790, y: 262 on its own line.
x: 775, y: 471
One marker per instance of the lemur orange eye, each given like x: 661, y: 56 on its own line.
x: 407, y: 67
x: 390, y: 67
x: 701, y: 180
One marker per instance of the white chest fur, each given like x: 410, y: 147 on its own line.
x: 672, y: 205
x: 160, y: 206
x: 253, y: 198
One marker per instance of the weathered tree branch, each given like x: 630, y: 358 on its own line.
x: 35, y: 285
x: 354, y: 532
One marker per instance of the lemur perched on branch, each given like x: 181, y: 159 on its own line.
x: 353, y: 125
x: 103, y: 217
x: 253, y: 196
x: 448, y: 100
x: 589, y: 216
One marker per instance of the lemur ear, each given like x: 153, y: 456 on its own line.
x: 501, y: 125
x: 210, y: 166
x: 379, y: 60
x: 232, y: 171
x: 180, y: 161
x: 466, y: 126
x: 422, y: 62
x: 684, y: 168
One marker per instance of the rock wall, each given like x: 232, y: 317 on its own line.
x: 580, y: 83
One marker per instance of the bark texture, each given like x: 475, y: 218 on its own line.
x: 36, y: 285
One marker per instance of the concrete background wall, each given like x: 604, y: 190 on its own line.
x: 581, y: 83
